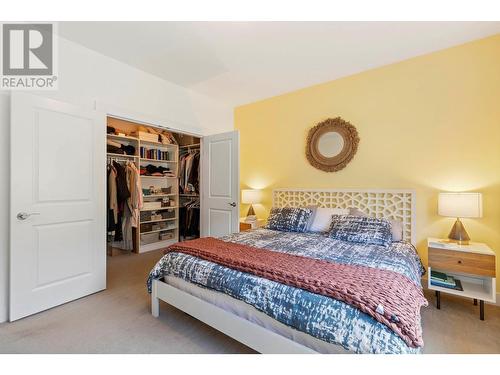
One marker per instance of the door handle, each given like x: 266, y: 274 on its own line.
x: 232, y: 204
x: 25, y: 215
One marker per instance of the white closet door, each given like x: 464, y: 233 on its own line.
x: 58, y: 192
x: 220, y: 182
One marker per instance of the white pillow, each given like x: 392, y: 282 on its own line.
x: 323, y: 218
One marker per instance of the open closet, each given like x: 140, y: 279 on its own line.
x: 61, y: 203
x: 153, y: 187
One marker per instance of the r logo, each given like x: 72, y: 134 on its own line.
x: 27, y: 49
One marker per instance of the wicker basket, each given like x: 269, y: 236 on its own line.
x: 168, y: 214
x: 145, y: 216
x: 166, y: 190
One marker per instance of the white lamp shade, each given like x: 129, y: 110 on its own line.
x: 460, y: 204
x: 250, y: 196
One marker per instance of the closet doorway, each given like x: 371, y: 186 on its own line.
x: 153, y: 186
x: 58, y: 195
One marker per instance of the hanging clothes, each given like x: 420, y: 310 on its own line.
x: 189, y: 219
x: 182, y: 174
x: 128, y: 239
x: 136, y: 200
x: 189, y: 173
x: 124, y: 202
x: 112, y: 202
x: 194, y: 174
x: 123, y: 192
x: 132, y: 206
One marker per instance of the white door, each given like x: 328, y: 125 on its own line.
x: 220, y: 184
x: 58, y: 192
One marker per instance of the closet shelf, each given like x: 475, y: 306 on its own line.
x: 190, y: 146
x: 158, y: 177
x: 158, y: 209
x: 121, y: 155
x: 159, y: 230
x: 158, y: 160
x: 159, y: 144
x: 145, y: 176
x: 189, y: 195
x: 124, y: 137
x: 156, y: 245
x: 157, y: 221
x: 158, y: 195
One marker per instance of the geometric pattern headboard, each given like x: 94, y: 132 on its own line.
x: 382, y: 203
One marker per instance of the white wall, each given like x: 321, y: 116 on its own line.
x: 86, y: 76
x: 5, y: 201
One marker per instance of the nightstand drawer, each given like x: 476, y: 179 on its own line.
x: 460, y: 261
x: 245, y: 226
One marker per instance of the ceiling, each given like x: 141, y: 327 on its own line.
x: 242, y: 62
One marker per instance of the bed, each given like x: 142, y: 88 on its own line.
x: 271, y: 317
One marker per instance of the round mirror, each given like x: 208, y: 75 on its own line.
x: 330, y: 144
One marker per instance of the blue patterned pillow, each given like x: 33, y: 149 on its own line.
x: 289, y: 219
x: 361, y: 229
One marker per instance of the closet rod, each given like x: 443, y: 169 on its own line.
x: 114, y: 158
x: 196, y: 145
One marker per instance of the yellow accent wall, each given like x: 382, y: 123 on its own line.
x: 431, y: 123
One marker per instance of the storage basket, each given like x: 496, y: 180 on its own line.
x: 168, y: 214
x: 146, y: 215
x: 156, y: 216
x: 166, y: 190
x: 166, y: 236
x: 146, y: 228
x: 151, y: 205
x: 149, y: 238
x: 148, y: 137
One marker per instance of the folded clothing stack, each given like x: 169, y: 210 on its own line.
x: 153, y: 170
x: 118, y: 148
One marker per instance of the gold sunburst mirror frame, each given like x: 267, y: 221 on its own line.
x: 332, y: 144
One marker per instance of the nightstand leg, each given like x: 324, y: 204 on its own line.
x: 481, y: 309
x: 438, y: 299
x: 475, y: 302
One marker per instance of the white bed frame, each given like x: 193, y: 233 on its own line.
x: 392, y: 204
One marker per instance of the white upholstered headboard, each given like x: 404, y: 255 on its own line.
x: 382, y: 203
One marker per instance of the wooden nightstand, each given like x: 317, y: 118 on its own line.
x: 473, y: 265
x: 247, y: 226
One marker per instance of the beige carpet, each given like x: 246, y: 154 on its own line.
x: 118, y: 320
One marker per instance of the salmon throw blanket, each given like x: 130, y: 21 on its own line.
x: 390, y: 298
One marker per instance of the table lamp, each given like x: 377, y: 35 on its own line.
x: 250, y: 196
x: 460, y: 205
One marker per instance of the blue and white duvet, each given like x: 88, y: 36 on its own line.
x: 322, y: 317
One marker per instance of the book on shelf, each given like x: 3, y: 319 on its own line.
x: 449, y: 281
x: 436, y: 275
x: 457, y: 285
x: 442, y: 279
